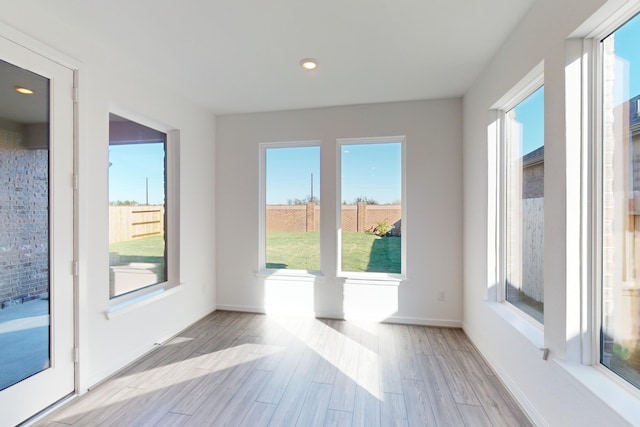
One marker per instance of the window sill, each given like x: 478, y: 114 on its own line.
x: 370, y: 279
x: 120, y: 308
x: 520, y: 322
x: 616, y: 393
x: 289, y: 274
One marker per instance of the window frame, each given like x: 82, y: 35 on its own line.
x: 172, y: 217
x: 592, y: 114
x: 533, y: 81
x: 262, y: 210
x: 383, y: 277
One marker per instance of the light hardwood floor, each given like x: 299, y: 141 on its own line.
x: 241, y: 369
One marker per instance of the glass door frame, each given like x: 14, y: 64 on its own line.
x: 59, y: 380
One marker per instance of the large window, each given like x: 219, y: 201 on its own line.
x: 620, y: 202
x: 139, y: 204
x: 523, y: 187
x: 291, y: 207
x: 371, y: 189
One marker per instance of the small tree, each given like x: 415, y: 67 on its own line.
x: 124, y: 203
x: 364, y: 199
x: 304, y: 201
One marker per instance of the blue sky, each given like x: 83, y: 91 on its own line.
x: 131, y: 164
x: 530, y: 113
x: 289, y: 172
x: 627, y: 50
x: 369, y: 170
x: 372, y: 171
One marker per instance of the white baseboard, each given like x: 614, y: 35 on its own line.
x: 442, y: 323
x: 133, y: 356
x: 117, y: 365
x: 534, y: 416
x: 341, y: 316
x: 241, y: 308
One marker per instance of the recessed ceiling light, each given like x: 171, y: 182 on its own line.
x: 309, y: 63
x: 24, y: 90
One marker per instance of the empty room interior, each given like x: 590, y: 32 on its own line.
x: 343, y: 213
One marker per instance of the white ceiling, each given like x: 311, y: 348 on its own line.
x: 243, y: 55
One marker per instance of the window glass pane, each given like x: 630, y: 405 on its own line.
x: 620, y: 339
x: 524, y: 149
x: 24, y: 225
x: 292, y: 211
x: 137, y: 197
x: 371, y: 189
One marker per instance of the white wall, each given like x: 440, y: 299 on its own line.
x: 550, y: 394
x: 108, y: 79
x: 434, y: 204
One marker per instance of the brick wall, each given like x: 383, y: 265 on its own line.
x: 355, y: 218
x: 374, y: 214
x: 24, y: 219
x: 349, y: 218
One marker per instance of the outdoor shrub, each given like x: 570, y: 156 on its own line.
x: 382, y: 229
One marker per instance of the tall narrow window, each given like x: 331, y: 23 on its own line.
x: 524, y: 205
x: 371, y: 212
x: 292, y: 207
x: 137, y: 206
x: 620, y: 202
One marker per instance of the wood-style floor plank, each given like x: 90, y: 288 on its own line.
x: 172, y: 420
x: 237, y: 408
x: 330, y: 347
x: 290, y: 406
x: 421, y: 341
x: 474, y: 416
x: 510, y: 401
x: 243, y: 369
x: 453, y: 339
x: 222, y: 384
x: 314, y: 409
x: 494, y: 405
x: 338, y: 419
x: 391, y: 380
x: 444, y: 407
x: 259, y: 415
x: 284, y: 370
x: 454, y: 375
x: 394, y: 411
x: 438, y: 341
x: 344, y: 386
x: 418, y: 405
x: 366, y: 410
x: 407, y: 354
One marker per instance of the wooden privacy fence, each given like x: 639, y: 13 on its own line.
x: 131, y: 222
x: 360, y: 218
x: 532, y: 280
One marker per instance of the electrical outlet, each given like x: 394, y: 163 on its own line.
x: 441, y: 296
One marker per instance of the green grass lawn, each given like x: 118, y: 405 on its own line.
x: 361, y: 252
x: 145, y: 246
x: 293, y: 251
